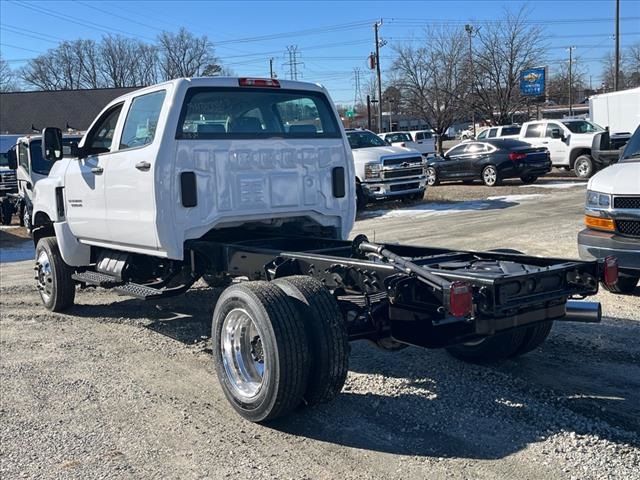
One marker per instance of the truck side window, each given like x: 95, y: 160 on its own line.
x: 23, y: 156
x: 550, y: 128
x: 100, y: 137
x: 142, y: 120
x: 493, y: 132
x: 534, y: 131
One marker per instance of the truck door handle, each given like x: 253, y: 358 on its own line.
x: 545, y: 143
x: 144, y: 166
x: 97, y: 170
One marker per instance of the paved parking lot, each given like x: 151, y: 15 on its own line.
x: 119, y: 388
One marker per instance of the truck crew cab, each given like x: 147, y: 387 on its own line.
x: 253, y: 180
x: 568, y: 141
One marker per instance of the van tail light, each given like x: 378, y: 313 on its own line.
x: 460, y: 299
x: 514, y: 157
x: 259, y: 82
x: 610, y: 274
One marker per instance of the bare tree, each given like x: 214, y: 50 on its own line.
x: 432, y: 79
x: 7, y: 77
x: 629, y: 69
x: 503, y: 49
x: 558, y: 83
x: 184, y: 55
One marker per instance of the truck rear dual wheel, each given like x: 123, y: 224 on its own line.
x: 501, y: 346
x: 626, y: 284
x: 277, y: 345
x: 53, y: 276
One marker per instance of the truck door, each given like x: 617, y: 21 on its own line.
x: 558, y: 149
x: 84, y: 179
x: 129, y: 178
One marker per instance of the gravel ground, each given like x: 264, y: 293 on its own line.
x: 119, y: 388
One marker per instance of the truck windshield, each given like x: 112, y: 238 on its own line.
x: 248, y: 113
x: 631, y: 152
x: 365, y: 140
x: 582, y: 126
x: 38, y: 164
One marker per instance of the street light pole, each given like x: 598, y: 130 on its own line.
x: 571, y: 81
x: 470, y: 30
x: 616, y: 82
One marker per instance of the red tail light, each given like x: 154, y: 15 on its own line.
x: 460, y: 299
x: 259, y: 82
x: 514, y: 157
x: 610, y: 274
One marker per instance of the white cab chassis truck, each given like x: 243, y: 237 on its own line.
x: 252, y: 180
x: 569, y: 142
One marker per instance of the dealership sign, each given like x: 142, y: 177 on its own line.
x: 532, y: 82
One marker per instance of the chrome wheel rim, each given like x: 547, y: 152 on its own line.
x: 431, y: 176
x: 242, y: 354
x: 44, y: 275
x: 583, y: 169
x: 489, y: 175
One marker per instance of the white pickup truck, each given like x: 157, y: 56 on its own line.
x: 568, y: 141
x: 385, y: 171
x: 253, y: 180
x: 612, y: 217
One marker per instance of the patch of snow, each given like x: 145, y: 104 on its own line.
x: 556, y: 185
x: 429, y: 209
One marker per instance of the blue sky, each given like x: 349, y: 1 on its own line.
x: 333, y: 37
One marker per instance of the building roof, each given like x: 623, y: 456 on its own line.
x: 64, y: 109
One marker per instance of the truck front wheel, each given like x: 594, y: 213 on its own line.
x: 327, y: 333
x: 260, y: 350
x: 53, y: 276
x: 584, y: 166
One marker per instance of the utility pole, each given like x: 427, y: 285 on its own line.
x: 379, y: 44
x: 271, y: 68
x: 571, y: 81
x: 471, y: 31
x: 616, y: 82
x: 293, y: 62
x: 369, y: 112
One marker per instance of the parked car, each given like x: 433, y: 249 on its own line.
x: 569, y: 142
x: 612, y: 217
x: 502, y: 131
x: 385, y: 171
x: 490, y: 161
x: 426, y: 141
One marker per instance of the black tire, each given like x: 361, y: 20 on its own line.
x: 626, y: 284
x: 361, y: 200
x: 327, y: 333
x: 281, y: 341
x: 57, y: 288
x: 583, y: 166
x: 220, y: 280
x: 6, y: 211
x: 490, y: 349
x: 21, y: 213
x: 528, y: 179
x: 534, y: 336
x: 432, y: 177
x: 489, y: 179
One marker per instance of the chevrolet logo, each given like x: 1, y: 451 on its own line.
x: 404, y: 164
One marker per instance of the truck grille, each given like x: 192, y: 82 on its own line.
x: 394, y: 162
x: 626, y: 202
x: 629, y: 227
x: 404, y: 186
x: 402, y: 172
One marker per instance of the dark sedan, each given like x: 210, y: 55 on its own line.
x: 490, y: 161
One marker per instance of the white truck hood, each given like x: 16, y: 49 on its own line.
x: 375, y: 154
x: 620, y: 179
